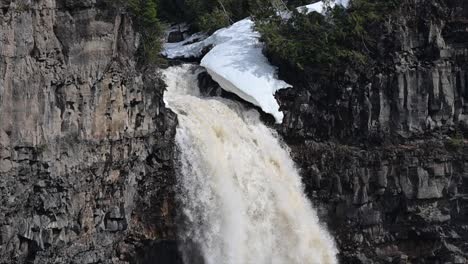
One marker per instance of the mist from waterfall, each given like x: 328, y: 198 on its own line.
x: 241, y: 196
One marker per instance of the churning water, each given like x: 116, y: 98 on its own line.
x: 241, y: 195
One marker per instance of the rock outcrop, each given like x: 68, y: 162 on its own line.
x: 382, y: 154
x: 86, y: 144
x: 395, y: 204
x: 417, y: 83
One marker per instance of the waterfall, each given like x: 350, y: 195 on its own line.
x: 241, y: 196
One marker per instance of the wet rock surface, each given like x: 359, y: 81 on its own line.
x: 86, y: 144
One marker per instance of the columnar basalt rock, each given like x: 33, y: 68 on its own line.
x: 86, y: 143
x: 382, y: 155
x: 417, y: 83
x: 395, y: 204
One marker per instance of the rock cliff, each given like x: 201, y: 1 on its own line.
x: 382, y: 153
x: 396, y: 204
x: 86, y: 144
x: 87, y: 151
x: 415, y: 85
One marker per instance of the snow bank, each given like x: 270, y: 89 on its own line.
x: 319, y: 7
x: 344, y: 3
x: 237, y: 63
x: 184, y: 49
x: 315, y: 7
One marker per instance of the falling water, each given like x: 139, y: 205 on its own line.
x: 241, y: 195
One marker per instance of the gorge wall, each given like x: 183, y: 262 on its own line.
x: 382, y: 153
x: 87, y: 150
x: 415, y: 85
x: 86, y: 144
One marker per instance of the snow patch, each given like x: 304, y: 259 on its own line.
x: 237, y: 63
x: 320, y: 6
x: 236, y: 60
x: 190, y: 47
x: 315, y: 7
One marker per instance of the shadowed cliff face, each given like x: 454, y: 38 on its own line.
x: 395, y: 204
x: 417, y: 83
x: 86, y: 144
x: 388, y: 195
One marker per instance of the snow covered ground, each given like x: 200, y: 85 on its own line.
x: 237, y: 63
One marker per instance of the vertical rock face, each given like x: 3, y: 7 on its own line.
x: 389, y: 196
x: 86, y: 144
x: 418, y: 83
x: 395, y: 204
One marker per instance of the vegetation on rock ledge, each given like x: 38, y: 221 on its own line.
x: 326, y: 42
x: 303, y: 41
x: 145, y: 15
x: 210, y: 15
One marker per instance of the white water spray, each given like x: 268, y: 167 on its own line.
x: 241, y: 194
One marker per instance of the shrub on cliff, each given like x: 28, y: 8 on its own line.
x: 213, y: 21
x: 341, y: 37
x: 456, y: 142
x: 145, y: 15
x: 209, y: 15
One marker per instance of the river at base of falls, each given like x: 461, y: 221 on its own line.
x: 241, y: 196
